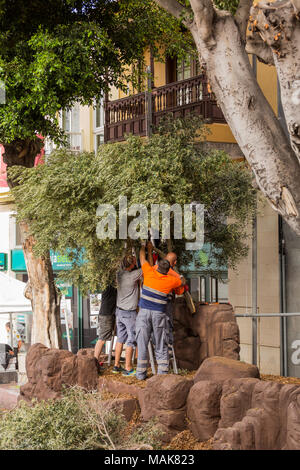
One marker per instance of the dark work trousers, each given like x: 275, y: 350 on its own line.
x: 152, y: 322
x: 170, y: 324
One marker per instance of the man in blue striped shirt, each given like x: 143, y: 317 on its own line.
x: 152, y: 316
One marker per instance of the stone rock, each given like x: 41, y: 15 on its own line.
x: 165, y: 392
x: 125, y: 406
x: 235, y: 400
x: 164, y: 397
x: 118, y: 387
x: 218, y: 369
x: 49, y: 369
x: 211, y: 331
x: 292, y: 419
x: 203, y: 409
x: 270, y: 418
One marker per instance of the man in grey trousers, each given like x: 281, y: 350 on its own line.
x: 127, y: 299
x: 152, y: 317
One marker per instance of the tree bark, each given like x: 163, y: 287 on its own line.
x: 278, y: 26
x: 248, y: 113
x: 40, y: 289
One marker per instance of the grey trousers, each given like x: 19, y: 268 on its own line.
x: 150, y: 322
x: 170, y: 323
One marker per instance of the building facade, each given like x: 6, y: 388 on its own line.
x: 266, y: 281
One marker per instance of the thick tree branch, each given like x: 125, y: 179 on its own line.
x: 255, y: 45
x: 242, y: 17
x: 204, y: 15
x: 277, y: 24
x: 176, y: 9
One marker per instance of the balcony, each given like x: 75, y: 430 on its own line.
x: 131, y: 115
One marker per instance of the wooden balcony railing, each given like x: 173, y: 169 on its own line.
x: 129, y: 115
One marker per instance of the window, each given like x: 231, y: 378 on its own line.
x: 99, y: 124
x: 187, y: 67
x: 70, y: 123
x: 206, y: 288
x: 19, y: 237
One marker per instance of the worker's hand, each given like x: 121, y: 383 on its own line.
x: 150, y: 245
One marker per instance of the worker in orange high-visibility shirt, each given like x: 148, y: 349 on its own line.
x: 172, y: 258
x: 152, y: 317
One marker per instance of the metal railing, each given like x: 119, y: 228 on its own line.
x: 283, y: 339
x: 129, y: 115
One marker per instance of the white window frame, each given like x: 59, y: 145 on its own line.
x: 78, y: 135
x: 98, y: 131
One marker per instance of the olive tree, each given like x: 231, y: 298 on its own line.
x: 60, y: 200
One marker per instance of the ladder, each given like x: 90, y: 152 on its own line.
x: 150, y: 352
x: 172, y: 358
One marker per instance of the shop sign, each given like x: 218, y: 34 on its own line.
x: 60, y: 262
x: 3, y: 261
x: 65, y: 288
x: 18, y: 260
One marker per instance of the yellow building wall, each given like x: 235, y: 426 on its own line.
x: 267, y: 80
x: 87, y: 128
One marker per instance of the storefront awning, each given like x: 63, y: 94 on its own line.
x: 12, y: 298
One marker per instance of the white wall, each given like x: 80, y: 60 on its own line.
x: 4, y: 231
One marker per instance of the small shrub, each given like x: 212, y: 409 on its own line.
x: 148, y: 433
x: 67, y: 423
x: 79, y: 420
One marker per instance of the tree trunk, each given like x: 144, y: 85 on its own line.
x: 41, y: 290
x: 251, y: 119
x: 277, y: 25
x: 220, y: 41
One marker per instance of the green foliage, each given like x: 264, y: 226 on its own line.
x: 56, y: 53
x: 57, y: 425
x: 148, y: 433
x: 77, y: 421
x: 60, y: 199
x: 229, y: 5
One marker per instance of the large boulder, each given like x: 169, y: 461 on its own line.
x: 218, y: 369
x: 124, y: 406
x: 118, y: 387
x: 164, y: 398
x: 236, y: 400
x: 211, y: 331
x: 49, y: 369
x: 259, y: 415
x: 203, y: 409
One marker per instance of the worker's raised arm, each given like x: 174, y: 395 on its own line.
x: 183, y: 280
x: 150, y: 253
x: 142, y: 255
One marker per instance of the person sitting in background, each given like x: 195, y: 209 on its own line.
x: 17, y: 336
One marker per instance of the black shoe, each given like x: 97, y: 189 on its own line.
x: 117, y: 370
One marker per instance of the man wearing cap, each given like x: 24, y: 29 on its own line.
x: 127, y: 299
x: 152, y: 317
x: 172, y: 258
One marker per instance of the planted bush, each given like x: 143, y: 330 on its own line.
x: 79, y: 420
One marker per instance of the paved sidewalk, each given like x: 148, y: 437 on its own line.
x: 9, y: 395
